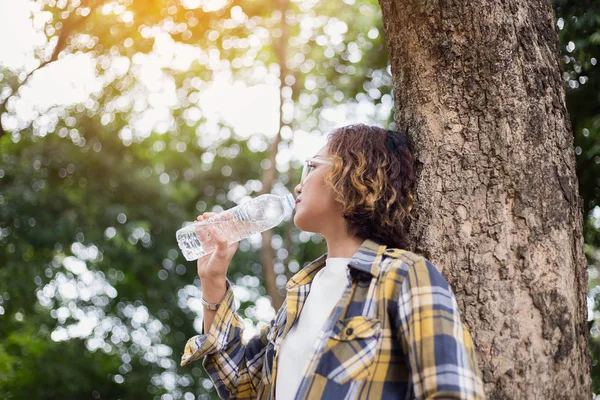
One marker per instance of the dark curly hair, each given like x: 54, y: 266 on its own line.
x: 373, y: 177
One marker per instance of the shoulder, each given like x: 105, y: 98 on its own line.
x: 420, y: 270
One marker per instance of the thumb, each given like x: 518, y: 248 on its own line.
x: 221, y: 241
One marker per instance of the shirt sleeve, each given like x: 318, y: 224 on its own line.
x: 439, y: 348
x: 235, y: 367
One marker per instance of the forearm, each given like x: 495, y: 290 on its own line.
x: 213, y: 292
x: 232, y: 364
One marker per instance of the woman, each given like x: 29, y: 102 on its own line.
x: 368, y: 319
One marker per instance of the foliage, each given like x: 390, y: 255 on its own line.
x: 95, y: 299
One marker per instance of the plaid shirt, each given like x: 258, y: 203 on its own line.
x: 396, y: 333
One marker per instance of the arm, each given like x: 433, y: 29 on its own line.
x: 439, y: 349
x: 234, y: 367
x: 212, y: 292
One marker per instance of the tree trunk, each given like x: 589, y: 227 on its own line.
x: 497, y: 209
x: 267, y: 253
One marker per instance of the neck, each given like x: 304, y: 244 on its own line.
x: 340, y: 245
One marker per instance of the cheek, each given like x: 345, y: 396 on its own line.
x: 311, y: 213
x: 317, y: 205
x: 306, y: 218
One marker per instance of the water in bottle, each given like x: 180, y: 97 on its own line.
x: 256, y: 215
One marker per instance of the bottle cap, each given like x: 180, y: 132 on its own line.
x: 289, y: 202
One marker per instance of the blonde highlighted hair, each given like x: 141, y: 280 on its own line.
x: 373, y: 177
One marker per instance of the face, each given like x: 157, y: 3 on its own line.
x: 316, y: 210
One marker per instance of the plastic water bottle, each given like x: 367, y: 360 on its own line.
x: 256, y: 215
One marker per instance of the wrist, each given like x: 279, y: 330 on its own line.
x: 209, y: 277
x: 213, y: 291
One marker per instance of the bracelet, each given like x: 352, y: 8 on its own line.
x: 210, y: 306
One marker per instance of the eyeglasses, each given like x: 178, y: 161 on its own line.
x: 310, y: 165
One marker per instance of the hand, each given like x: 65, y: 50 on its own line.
x: 213, y: 267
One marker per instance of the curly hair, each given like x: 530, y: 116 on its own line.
x: 373, y: 177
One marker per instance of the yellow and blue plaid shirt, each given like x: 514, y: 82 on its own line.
x: 395, y: 333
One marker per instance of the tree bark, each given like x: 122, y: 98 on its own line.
x: 497, y: 209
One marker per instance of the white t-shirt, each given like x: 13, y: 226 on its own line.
x: 327, y: 288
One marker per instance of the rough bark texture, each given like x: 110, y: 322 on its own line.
x: 497, y: 210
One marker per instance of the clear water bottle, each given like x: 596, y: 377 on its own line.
x: 256, y: 215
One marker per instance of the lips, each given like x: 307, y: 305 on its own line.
x: 297, y: 200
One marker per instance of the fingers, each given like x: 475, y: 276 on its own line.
x: 215, y: 231
x: 201, y: 231
x: 206, y: 215
x: 220, y: 238
x: 224, y: 216
x: 221, y: 255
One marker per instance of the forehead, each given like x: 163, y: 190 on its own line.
x: 321, y: 153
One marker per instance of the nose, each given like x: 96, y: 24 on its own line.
x: 298, y: 188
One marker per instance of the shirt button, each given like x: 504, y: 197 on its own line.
x: 349, y: 331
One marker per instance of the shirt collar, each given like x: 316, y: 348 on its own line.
x: 365, y: 259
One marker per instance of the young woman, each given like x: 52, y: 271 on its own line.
x: 366, y: 320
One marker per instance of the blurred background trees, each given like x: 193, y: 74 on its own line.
x: 97, y: 302
x: 579, y: 25
x: 125, y: 119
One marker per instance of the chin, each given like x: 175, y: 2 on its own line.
x: 303, y: 223
x: 298, y: 221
